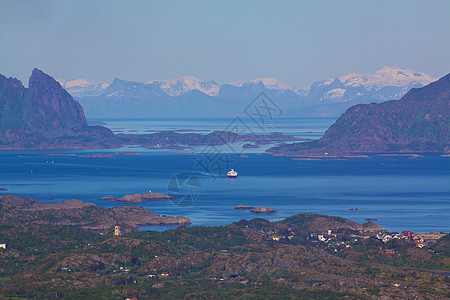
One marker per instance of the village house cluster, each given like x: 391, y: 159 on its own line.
x: 420, y: 239
x: 330, y: 237
x: 340, y: 239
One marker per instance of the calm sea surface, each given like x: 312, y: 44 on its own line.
x: 402, y: 193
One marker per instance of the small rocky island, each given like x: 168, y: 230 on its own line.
x: 263, y: 210
x: 244, y: 207
x: 256, y: 210
x: 138, y: 198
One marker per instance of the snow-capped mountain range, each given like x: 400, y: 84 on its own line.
x: 387, y: 83
x: 83, y: 87
x: 172, y: 87
x: 182, y: 85
x: 387, y: 76
x: 270, y: 83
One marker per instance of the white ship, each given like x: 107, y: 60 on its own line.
x: 232, y: 173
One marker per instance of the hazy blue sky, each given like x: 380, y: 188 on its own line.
x: 296, y: 42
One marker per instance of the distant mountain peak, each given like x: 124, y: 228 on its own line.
x: 387, y: 76
x: 184, y: 78
x: 268, y: 82
x: 416, y: 122
x: 329, y: 97
x: 83, y: 87
x: 179, y: 86
x: 44, y: 115
x: 388, y: 83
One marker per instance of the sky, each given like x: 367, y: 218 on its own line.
x: 296, y: 42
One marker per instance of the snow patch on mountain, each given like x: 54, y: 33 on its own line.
x: 182, y: 85
x: 83, y: 87
x: 334, y: 95
x: 270, y: 83
x: 325, y: 82
x: 387, y: 76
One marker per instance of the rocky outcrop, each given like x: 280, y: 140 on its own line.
x: 416, y: 122
x: 263, y: 210
x: 320, y: 223
x: 45, y: 116
x: 53, y: 106
x: 133, y: 215
x: 244, y: 207
x: 256, y: 210
x: 66, y: 204
x: 138, y: 198
x: 85, y: 215
x: 372, y: 227
x: 8, y: 201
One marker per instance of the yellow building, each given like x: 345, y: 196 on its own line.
x: 117, y: 230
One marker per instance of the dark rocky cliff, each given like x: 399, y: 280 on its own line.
x: 53, y: 105
x: 45, y: 116
x: 417, y: 122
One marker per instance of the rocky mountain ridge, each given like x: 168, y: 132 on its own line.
x: 45, y: 116
x: 190, y: 96
x: 83, y: 87
x: 419, y: 121
x: 386, y: 76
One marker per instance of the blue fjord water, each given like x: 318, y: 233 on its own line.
x: 402, y: 193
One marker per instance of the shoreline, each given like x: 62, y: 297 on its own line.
x: 137, y: 150
x: 155, y: 163
x: 359, y: 215
x: 144, y: 220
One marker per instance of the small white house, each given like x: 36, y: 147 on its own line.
x: 3, y: 246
